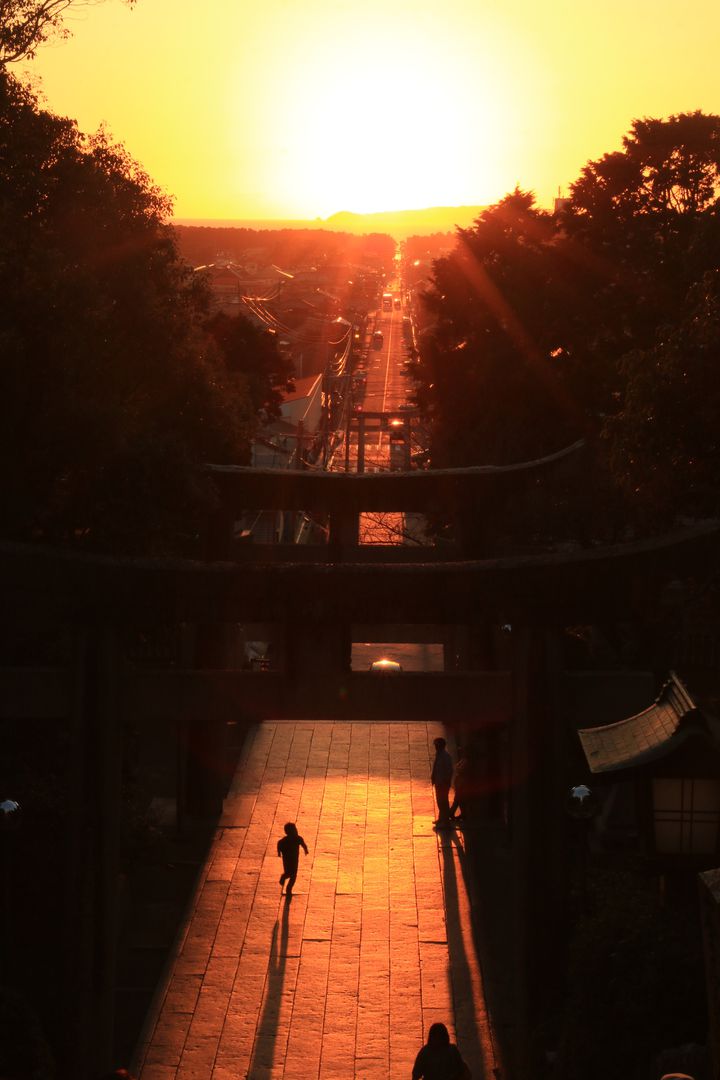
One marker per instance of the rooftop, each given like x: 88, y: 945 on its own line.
x: 644, y: 737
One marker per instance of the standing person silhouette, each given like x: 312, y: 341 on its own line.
x: 288, y: 847
x: 440, y: 1059
x: 441, y: 779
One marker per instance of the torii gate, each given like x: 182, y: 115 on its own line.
x: 99, y: 595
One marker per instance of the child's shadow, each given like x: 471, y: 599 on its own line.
x: 267, y: 1031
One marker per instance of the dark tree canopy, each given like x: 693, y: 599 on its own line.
x: 252, y: 356
x: 599, y: 321
x: 490, y: 383
x: 111, y: 391
x: 647, y: 216
x: 666, y: 168
x: 665, y: 441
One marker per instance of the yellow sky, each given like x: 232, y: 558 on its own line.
x: 301, y: 108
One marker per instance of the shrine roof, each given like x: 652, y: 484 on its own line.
x: 648, y: 735
x: 711, y: 880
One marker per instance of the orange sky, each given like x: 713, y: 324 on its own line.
x: 289, y: 109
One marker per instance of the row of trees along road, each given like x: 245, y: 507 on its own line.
x: 600, y: 322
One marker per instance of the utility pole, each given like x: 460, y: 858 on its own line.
x: 361, y: 444
x: 299, y: 456
x: 348, y: 420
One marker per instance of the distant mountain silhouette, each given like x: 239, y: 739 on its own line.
x: 404, y: 223
x: 397, y: 223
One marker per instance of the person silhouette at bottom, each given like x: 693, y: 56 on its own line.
x: 289, y: 848
x: 440, y: 1059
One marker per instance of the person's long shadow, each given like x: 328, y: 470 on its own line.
x: 490, y: 948
x: 460, y: 976
x: 267, y: 1029
x: 463, y: 846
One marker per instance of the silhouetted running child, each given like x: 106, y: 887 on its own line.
x: 289, y: 847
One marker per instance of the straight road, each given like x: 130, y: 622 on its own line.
x: 387, y: 388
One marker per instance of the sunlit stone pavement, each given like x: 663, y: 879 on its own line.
x: 376, y: 944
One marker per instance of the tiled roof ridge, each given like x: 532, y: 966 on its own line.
x: 646, y: 735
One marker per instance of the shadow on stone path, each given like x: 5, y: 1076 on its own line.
x: 378, y: 940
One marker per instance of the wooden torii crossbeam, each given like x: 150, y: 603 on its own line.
x: 613, y: 581
x: 243, y: 487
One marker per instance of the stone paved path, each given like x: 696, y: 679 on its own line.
x: 376, y: 944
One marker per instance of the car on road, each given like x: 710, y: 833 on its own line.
x: 377, y: 339
x: 398, y: 303
x: 386, y: 667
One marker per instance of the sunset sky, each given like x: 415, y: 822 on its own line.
x: 283, y: 108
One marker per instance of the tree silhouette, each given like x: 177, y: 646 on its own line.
x: 489, y: 373
x: 666, y: 168
x: 664, y: 443
x: 111, y: 392
x: 26, y: 24
x: 549, y: 327
x: 251, y: 355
